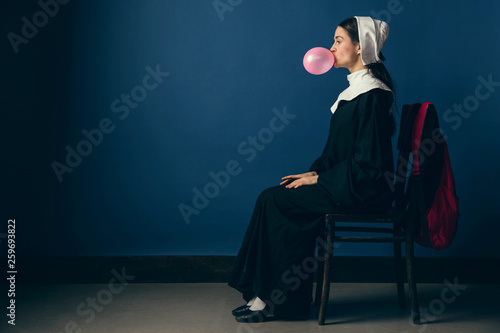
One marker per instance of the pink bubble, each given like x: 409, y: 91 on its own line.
x: 318, y: 60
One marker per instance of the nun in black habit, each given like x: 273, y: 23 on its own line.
x: 275, y: 266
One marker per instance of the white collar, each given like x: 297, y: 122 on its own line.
x: 359, y: 82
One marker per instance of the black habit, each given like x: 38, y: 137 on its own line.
x: 276, y: 260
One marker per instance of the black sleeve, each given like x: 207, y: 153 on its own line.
x: 317, y: 165
x: 360, y: 178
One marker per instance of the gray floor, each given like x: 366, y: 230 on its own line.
x: 148, y: 308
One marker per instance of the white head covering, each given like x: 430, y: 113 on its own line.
x: 372, y: 36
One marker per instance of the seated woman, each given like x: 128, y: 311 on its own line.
x: 275, y: 266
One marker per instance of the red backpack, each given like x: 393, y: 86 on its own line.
x: 435, y: 185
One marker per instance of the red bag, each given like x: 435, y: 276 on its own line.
x: 435, y: 184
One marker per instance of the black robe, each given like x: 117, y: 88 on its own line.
x: 276, y: 261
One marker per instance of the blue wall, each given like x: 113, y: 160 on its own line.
x: 229, y: 94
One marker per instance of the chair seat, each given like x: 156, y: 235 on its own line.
x: 391, y: 216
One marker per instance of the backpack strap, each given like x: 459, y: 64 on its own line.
x: 406, y: 127
x: 417, y: 136
x: 404, y: 149
x: 422, y: 211
x: 415, y: 143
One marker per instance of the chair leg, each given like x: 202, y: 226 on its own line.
x: 415, y: 312
x: 326, y: 274
x: 398, y: 260
x: 319, y: 274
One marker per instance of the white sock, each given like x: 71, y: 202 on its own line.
x: 250, y: 302
x: 258, y: 305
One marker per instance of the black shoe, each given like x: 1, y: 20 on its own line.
x: 256, y: 316
x: 240, y: 310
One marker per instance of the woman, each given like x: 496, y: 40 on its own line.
x: 275, y: 266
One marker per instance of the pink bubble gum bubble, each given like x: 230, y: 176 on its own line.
x: 318, y: 60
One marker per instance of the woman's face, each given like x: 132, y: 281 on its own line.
x: 346, y: 52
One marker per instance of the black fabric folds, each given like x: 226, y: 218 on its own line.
x: 276, y: 261
x: 357, y: 157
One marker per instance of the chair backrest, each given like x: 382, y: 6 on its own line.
x: 426, y: 185
x: 418, y: 152
x: 434, y: 181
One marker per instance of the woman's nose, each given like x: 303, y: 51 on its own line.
x: 332, y: 49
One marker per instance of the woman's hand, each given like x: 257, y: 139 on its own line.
x: 295, y: 181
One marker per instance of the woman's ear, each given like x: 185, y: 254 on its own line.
x: 358, y: 48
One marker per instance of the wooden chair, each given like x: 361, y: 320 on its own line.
x: 403, y: 218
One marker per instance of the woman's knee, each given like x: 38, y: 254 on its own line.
x: 270, y: 193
